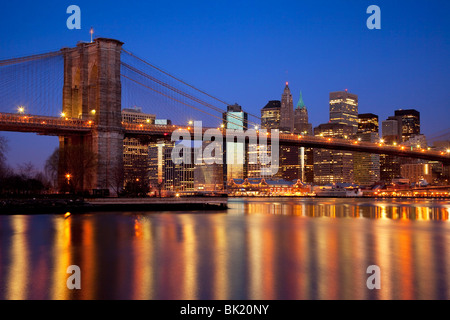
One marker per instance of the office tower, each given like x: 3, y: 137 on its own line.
x: 235, y: 153
x: 255, y: 170
x: 391, y: 130
x: 156, y: 164
x: 235, y: 118
x: 208, y: 175
x: 331, y: 166
x: 410, y: 122
x: 135, y: 163
x: 135, y: 115
x: 366, y: 166
x: 270, y: 115
x: 135, y: 152
x: 344, y: 108
x: 178, y: 177
x: 287, y: 111
x: 367, y: 122
x: 389, y: 168
x: 301, y: 121
x: 289, y: 163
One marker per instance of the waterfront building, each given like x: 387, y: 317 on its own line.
x: 267, y: 187
x: 415, y: 172
x: 344, y: 109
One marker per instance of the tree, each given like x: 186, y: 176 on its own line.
x: 79, y: 164
x: 51, y: 167
x: 117, y: 176
x: 3, y: 149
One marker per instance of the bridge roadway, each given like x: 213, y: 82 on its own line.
x: 59, y: 126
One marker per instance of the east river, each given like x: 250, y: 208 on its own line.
x: 260, y: 248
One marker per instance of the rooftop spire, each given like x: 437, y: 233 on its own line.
x: 300, y: 103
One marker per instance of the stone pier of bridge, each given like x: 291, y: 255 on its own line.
x: 92, y: 90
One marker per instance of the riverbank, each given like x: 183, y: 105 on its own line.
x: 61, y: 206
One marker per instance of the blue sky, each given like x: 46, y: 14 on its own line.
x: 244, y: 51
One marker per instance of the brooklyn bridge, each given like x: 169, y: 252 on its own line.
x: 78, y: 94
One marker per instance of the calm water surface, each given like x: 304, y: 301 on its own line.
x: 259, y: 249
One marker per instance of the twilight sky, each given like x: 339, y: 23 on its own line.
x: 244, y: 51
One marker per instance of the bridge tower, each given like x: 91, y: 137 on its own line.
x: 92, y: 90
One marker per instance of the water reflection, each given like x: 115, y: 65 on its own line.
x: 261, y: 249
x: 347, y: 208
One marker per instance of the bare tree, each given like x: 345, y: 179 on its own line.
x: 3, y: 149
x: 79, y: 164
x: 51, y: 167
x: 117, y: 178
x: 27, y: 170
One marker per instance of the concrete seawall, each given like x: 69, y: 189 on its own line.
x: 61, y: 206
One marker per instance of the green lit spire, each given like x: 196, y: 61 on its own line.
x: 300, y: 103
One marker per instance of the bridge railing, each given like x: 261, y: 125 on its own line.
x: 13, y: 119
x: 168, y: 129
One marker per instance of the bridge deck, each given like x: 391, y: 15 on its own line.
x: 67, y: 126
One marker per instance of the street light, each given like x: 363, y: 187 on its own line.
x: 68, y: 176
x: 21, y: 109
x: 63, y: 114
x: 190, y: 122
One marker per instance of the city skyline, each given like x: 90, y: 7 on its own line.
x: 401, y: 66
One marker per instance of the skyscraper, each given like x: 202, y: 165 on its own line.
x: 331, y: 166
x: 270, y: 115
x: 306, y: 155
x: 410, y: 122
x: 235, y: 152
x: 301, y: 124
x: 367, y: 122
x: 287, y: 111
x: 344, y: 108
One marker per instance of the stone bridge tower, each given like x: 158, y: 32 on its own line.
x: 92, y: 91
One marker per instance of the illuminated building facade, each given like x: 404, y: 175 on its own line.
x: 135, y: 115
x: 235, y: 152
x: 367, y: 122
x: 366, y: 166
x: 287, y: 111
x: 270, y: 115
x: 301, y: 121
x: 344, y: 109
x: 333, y: 166
x: 135, y: 151
x: 410, y: 122
x: 417, y: 171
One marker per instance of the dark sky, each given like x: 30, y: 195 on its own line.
x: 244, y: 51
